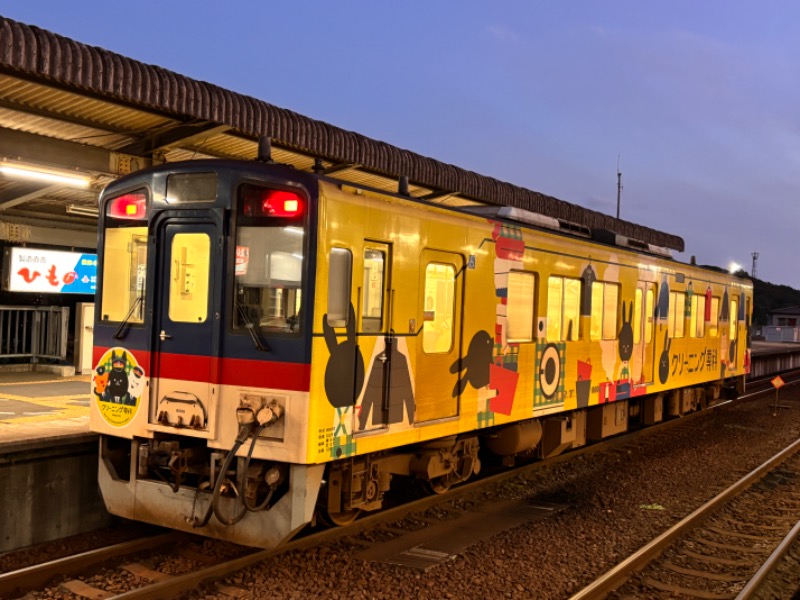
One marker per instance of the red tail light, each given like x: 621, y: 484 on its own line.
x: 128, y: 206
x: 260, y: 202
x: 277, y: 203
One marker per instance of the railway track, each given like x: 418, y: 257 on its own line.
x: 139, y: 581
x: 724, y: 549
x: 763, y: 384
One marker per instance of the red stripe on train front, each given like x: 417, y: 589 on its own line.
x: 226, y: 371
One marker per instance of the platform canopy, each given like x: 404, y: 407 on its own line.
x: 90, y: 115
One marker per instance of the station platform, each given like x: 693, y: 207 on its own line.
x: 36, y: 406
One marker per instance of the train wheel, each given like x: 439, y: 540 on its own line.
x: 341, y: 519
x: 438, y: 485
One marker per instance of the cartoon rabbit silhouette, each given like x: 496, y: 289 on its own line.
x: 626, y: 334
x: 626, y: 341
x: 344, y: 373
x: 663, y: 363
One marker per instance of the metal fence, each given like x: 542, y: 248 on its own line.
x: 773, y: 333
x: 775, y: 362
x: 33, y: 332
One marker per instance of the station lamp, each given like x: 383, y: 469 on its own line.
x: 46, y: 174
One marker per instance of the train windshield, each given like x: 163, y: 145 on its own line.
x: 125, y: 258
x: 268, y: 269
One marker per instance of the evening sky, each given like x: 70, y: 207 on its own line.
x: 696, y: 101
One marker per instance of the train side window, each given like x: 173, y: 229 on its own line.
x: 188, y: 277
x: 637, y: 316
x: 713, y: 317
x: 372, y: 300
x: 521, y: 295
x: 563, y: 308
x: 440, y: 285
x: 747, y: 311
x: 605, y: 302
x: 649, y: 311
x: 697, y: 322
x: 677, y: 310
x: 340, y: 274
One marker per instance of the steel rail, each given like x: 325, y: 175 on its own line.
x: 617, y: 576
x: 185, y: 583
x: 182, y: 584
x: 36, y: 576
x: 752, y: 586
x: 771, y: 376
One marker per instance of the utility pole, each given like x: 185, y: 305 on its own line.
x: 619, y: 186
x: 755, y: 262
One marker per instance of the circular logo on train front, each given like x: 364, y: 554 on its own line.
x: 117, y: 385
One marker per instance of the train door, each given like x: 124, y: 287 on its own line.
x: 732, y: 336
x: 185, y: 323
x: 643, y: 322
x: 385, y: 397
x: 439, y: 344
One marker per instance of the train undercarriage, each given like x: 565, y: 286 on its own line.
x: 179, y: 482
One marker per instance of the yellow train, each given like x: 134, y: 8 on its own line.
x: 273, y: 346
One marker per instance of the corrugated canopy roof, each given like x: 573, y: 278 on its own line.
x: 65, y: 104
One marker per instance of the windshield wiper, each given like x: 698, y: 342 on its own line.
x: 259, y: 344
x: 118, y: 334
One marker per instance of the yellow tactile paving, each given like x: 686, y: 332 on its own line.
x: 61, y: 405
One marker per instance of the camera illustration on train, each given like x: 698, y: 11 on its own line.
x: 275, y: 348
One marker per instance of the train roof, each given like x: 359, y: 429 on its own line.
x: 77, y: 86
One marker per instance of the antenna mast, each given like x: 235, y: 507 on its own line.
x: 755, y: 262
x: 619, y: 185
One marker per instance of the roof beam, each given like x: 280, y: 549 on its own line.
x: 47, y: 151
x: 13, y: 197
x: 439, y: 196
x: 55, y: 116
x: 184, y: 134
x: 41, y: 150
x: 341, y: 167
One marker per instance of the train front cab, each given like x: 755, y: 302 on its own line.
x: 201, y: 341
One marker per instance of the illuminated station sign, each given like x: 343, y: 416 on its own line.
x: 49, y: 271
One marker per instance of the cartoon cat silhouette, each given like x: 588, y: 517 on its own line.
x: 117, y: 387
